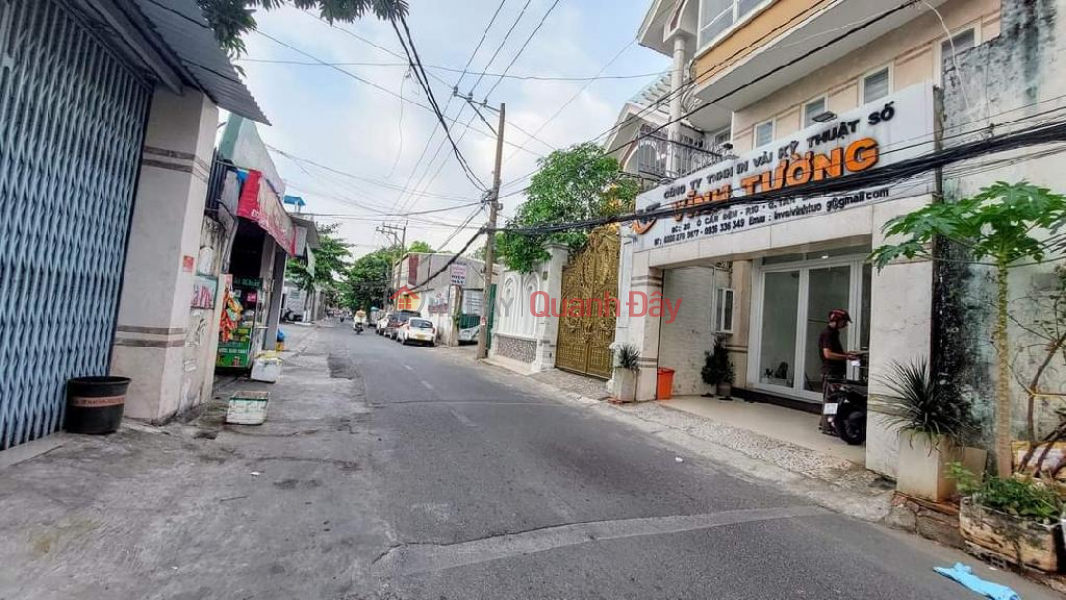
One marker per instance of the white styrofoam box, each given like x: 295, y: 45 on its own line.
x: 266, y: 368
x: 247, y: 408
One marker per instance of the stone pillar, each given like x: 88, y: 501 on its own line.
x: 677, y: 79
x: 548, y: 327
x: 644, y: 329
x: 276, y: 294
x: 161, y: 258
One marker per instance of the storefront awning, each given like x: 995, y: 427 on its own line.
x: 261, y: 205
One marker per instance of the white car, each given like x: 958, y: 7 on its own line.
x: 417, y: 331
x: 469, y: 335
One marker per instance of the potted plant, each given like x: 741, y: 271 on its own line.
x: 1014, y: 517
x: 933, y: 425
x: 718, y: 370
x: 626, y: 357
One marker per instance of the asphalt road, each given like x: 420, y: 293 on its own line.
x: 488, y: 489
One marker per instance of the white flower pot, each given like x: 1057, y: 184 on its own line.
x: 625, y: 385
x: 923, y: 469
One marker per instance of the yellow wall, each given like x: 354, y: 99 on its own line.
x: 910, y: 50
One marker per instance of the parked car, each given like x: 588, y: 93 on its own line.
x: 469, y: 334
x: 417, y: 331
x: 396, y: 320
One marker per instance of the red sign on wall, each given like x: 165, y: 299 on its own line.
x: 412, y: 269
x: 259, y: 203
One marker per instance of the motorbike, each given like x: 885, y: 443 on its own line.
x: 358, y: 328
x: 845, y: 404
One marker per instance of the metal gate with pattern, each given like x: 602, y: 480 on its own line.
x: 72, y: 117
x: 584, y: 340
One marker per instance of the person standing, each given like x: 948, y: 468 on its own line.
x: 834, y: 358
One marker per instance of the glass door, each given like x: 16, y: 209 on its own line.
x: 777, y: 348
x: 793, y: 297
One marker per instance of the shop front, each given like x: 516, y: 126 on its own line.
x: 763, y: 277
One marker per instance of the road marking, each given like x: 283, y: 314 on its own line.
x: 428, y: 558
x: 428, y: 387
x: 463, y: 419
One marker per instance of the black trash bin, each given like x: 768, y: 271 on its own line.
x: 95, y: 404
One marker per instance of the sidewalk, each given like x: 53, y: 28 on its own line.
x: 252, y: 511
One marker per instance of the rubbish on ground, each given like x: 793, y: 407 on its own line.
x: 679, y: 459
x: 266, y: 367
x: 247, y: 408
x: 964, y: 575
x: 255, y: 473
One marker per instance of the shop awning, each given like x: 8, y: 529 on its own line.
x: 261, y: 205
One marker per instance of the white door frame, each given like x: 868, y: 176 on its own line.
x: 853, y: 333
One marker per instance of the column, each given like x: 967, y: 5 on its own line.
x: 164, y: 242
x: 644, y: 329
x: 677, y: 79
x: 276, y: 293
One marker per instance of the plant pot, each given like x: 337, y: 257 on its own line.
x: 95, y: 404
x: 725, y: 390
x: 1023, y: 541
x: 625, y: 385
x: 923, y: 470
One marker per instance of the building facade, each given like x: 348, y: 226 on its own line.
x: 452, y: 298
x: 813, y: 92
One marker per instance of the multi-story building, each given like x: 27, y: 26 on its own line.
x: 813, y: 91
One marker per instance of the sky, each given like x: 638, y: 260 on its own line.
x: 367, y: 143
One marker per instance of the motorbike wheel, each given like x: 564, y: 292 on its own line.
x: 851, y: 426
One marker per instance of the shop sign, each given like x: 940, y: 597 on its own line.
x: 459, y: 274
x: 438, y: 304
x: 261, y: 205
x: 204, y: 288
x: 878, y: 134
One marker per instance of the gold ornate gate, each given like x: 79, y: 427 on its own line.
x: 585, y: 335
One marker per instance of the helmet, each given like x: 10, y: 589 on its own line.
x: 839, y: 314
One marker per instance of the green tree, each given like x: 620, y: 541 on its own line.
x: 420, y: 246
x: 1000, y: 227
x: 367, y: 281
x: 580, y: 182
x: 230, y: 19
x: 330, y: 263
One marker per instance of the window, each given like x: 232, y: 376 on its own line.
x: 722, y: 137
x: 960, y: 42
x: 718, y: 16
x: 764, y: 133
x: 876, y: 85
x: 812, y: 109
x: 723, y: 310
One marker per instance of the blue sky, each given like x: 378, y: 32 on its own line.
x: 325, y: 116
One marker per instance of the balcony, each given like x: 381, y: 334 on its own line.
x: 656, y: 156
x: 742, y: 63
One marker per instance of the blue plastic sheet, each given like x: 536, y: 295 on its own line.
x: 964, y: 575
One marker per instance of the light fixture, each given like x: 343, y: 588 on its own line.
x: 824, y: 117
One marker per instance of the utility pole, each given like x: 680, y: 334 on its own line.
x: 490, y: 242
x: 390, y: 231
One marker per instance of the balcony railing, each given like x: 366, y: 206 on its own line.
x: 660, y: 158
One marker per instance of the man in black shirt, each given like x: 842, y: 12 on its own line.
x: 834, y: 359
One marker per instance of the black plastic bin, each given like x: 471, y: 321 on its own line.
x: 95, y: 404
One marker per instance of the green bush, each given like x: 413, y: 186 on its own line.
x: 1021, y: 497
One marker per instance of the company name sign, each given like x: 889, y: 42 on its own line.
x: 878, y: 134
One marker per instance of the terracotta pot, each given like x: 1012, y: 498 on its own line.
x: 1017, y: 539
x: 725, y: 389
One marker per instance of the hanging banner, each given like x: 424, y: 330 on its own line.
x: 260, y: 204
x: 896, y: 128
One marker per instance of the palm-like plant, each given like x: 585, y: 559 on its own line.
x: 923, y: 405
x: 626, y: 356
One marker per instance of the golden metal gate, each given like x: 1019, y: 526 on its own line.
x: 585, y: 335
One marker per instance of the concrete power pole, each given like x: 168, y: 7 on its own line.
x: 390, y: 231
x: 490, y: 242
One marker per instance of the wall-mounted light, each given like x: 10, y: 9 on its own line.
x: 824, y: 117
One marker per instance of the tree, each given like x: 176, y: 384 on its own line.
x: 230, y: 19
x: 368, y: 279
x: 330, y: 262
x: 998, y: 227
x: 420, y: 246
x: 580, y: 182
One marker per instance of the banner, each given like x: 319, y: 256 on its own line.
x: 260, y: 204
x: 890, y: 130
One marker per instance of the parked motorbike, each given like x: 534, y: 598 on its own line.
x: 358, y: 328
x: 845, y: 404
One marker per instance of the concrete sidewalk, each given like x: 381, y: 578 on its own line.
x: 252, y: 511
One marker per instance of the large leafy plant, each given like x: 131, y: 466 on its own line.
x: 1018, y: 496
x: 923, y: 405
x: 717, y: 368
x: 1000, y: 227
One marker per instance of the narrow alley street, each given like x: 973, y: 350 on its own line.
x: 386, y: 471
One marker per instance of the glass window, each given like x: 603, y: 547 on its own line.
x: 723, y: 309
x: 721, y: 137
x: 875, y: 86
x: 828, y: 289
x: 959, y: 42
x: 764, y: 133
x: 717, y: 16
x: 811, y: 110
